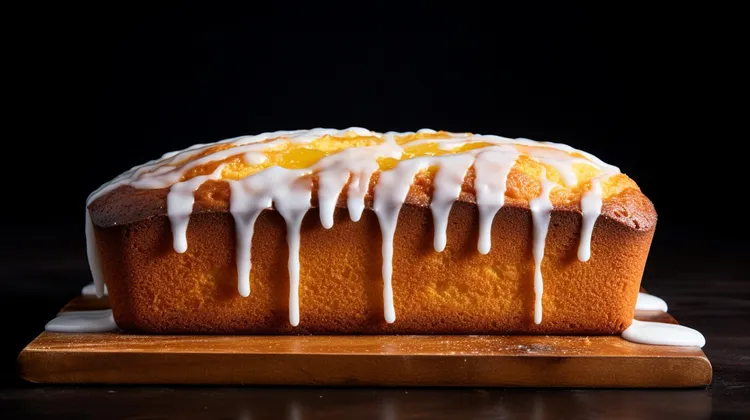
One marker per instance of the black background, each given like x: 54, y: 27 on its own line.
x: 101, y: 90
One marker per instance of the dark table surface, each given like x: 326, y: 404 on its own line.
x: 706, y: 289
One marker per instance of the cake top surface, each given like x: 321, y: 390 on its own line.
x: 310, y: 152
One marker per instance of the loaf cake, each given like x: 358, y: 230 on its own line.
x: 358, y: 232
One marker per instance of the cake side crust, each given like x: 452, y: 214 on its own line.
x: 154, y: 289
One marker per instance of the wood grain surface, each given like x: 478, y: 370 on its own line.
x: 460, y: 360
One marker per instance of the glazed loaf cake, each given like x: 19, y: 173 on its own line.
x: 352, y: 231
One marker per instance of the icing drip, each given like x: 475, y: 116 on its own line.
x: 390, y: 193
x: 83, y: 322
x: 90, y: 290
x: 290, y: 191
x: 245, y: 210
x: 92, y: 254
x: 329, y: 188
x: 180, y: 202
x: 591, y: 207
x: 335, y: 171
x: 491, y: 168
x: 541, y: 211
x: 663, y: 334
x: 448, y: 182
x: 358, y: 186
x: 648, y: 302
x: 293, y: 212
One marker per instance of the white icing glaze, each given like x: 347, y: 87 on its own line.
x: 255, y: 158
x: 83, y: 322
x: 330, y: 184
x: 648, y: 302
x: 292, y: 206
x: 541, y: 210
x: 164, y: 172
x: 603, y: 167
x: 334, y: 172
x: 491, y: 167
x: 561, y: 161
x: 358, y: 187
x: 290, y: 192
x: 658, y: 333
x: 447, y: 187
x: 390, y: 193
x: 90, y: 290
x: 591, y: 207
x: 245, y: 208
x: 92, y: 252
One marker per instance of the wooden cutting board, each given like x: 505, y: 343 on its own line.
x: 466, y: 360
